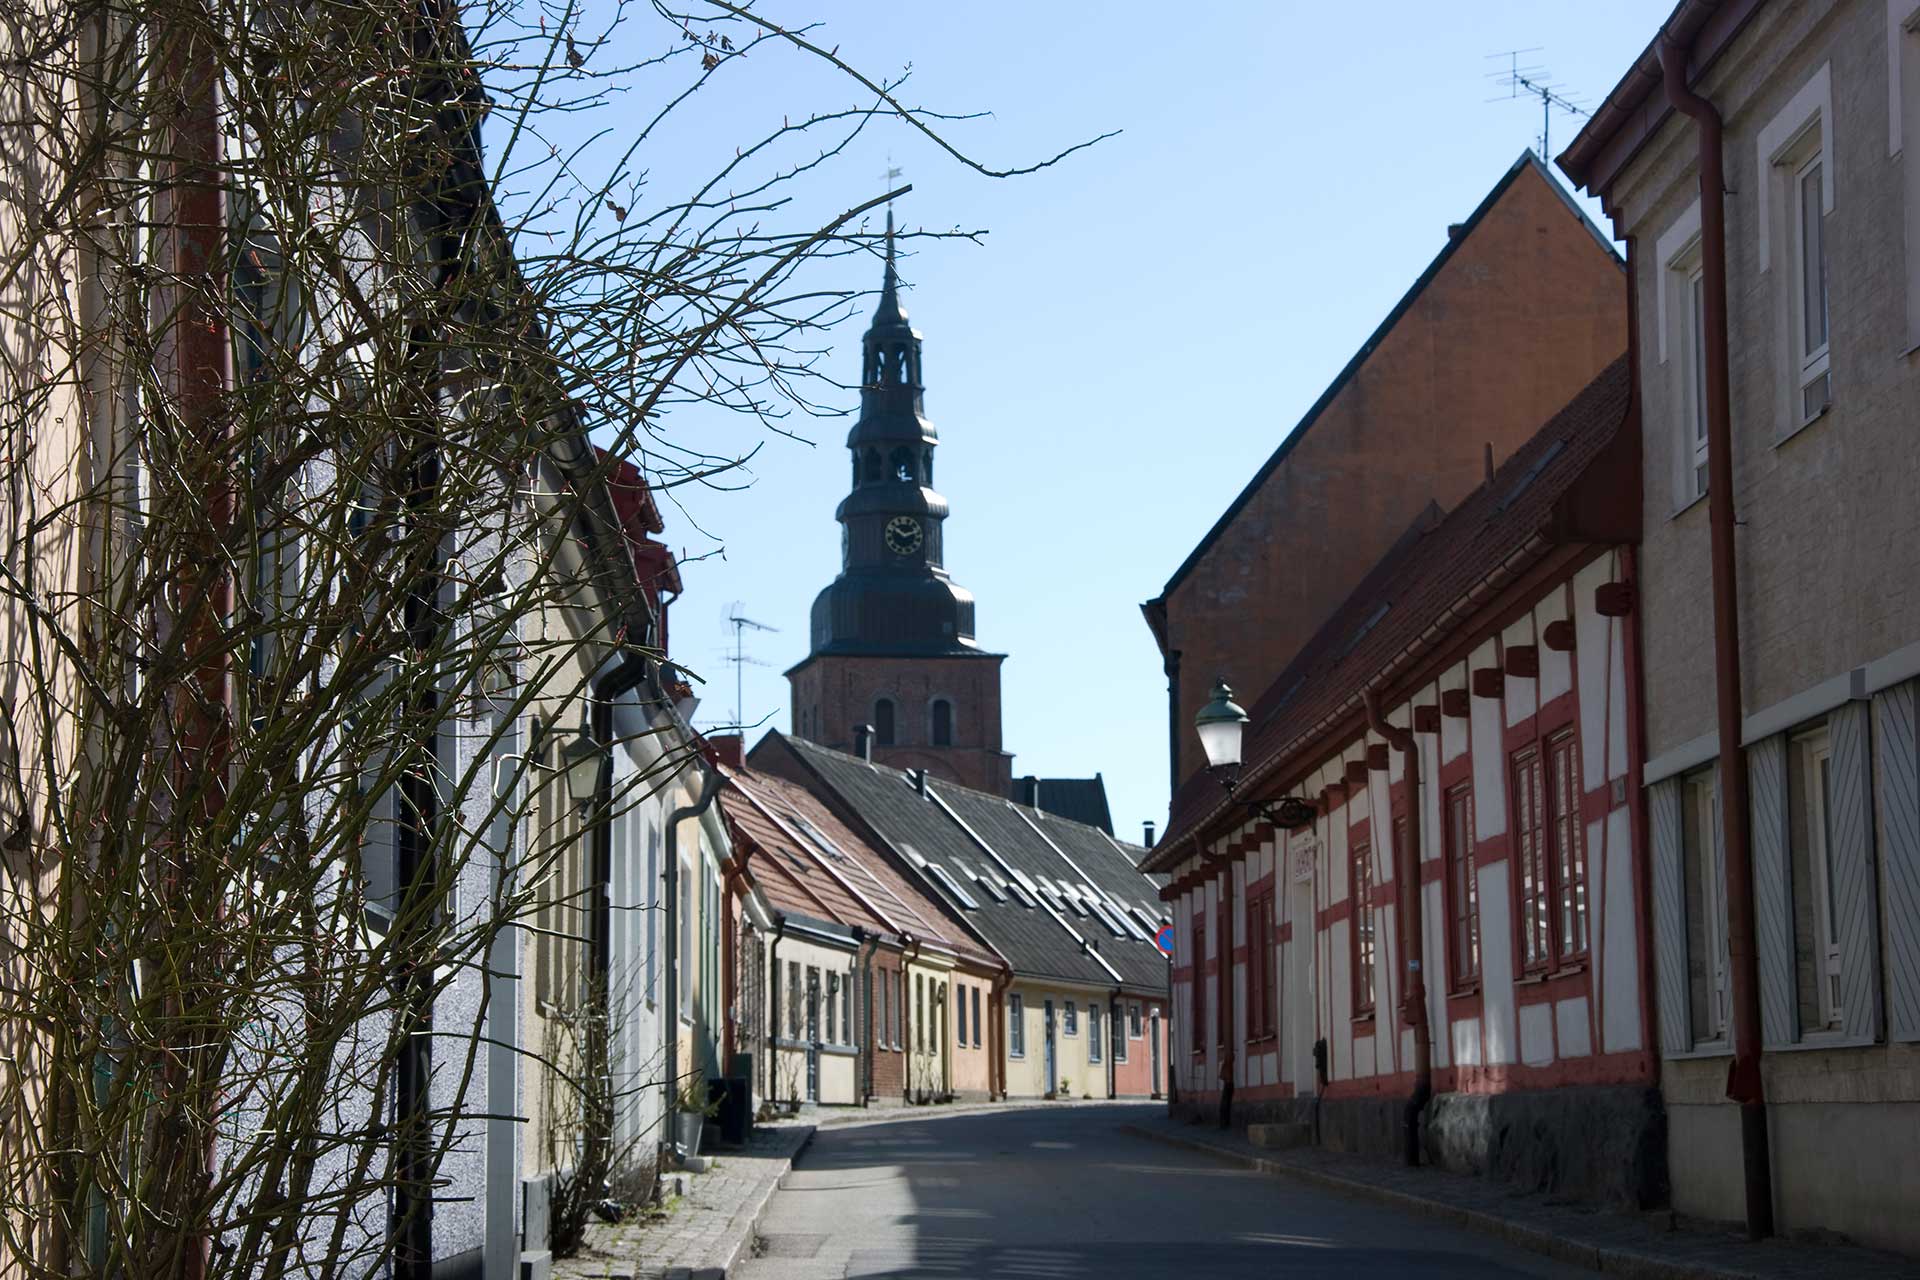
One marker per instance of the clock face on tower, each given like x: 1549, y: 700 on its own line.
x: 903, y: 535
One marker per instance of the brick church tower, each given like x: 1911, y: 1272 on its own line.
x: 892, y: 637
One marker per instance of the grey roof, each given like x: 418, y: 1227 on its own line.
x: 1078, y: 799
x: 973, y: 834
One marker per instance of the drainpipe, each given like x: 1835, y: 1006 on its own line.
x: 1744, y: 1084
x: 865, y: 944
x: 908, y: 954
x: 1413, y: 931
x: 709, y: 788
x: 1113, y: 1066
x: 997, y: 1010
x: 772, y: 1053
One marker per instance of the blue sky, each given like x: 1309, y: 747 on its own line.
x: 1141, y: 326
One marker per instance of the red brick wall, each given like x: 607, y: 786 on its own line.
x: 1527, y: 311
x: 889, y: 1067
x: 833, y: 694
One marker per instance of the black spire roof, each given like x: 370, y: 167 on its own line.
x: 893, y: 596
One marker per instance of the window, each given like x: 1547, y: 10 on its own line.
x: 1705, y: 909
x: 952, y: 886
x: 1199, y: 982
x: 653, y: 908
x: 1133, y: 1020
x: 976, y: 1017
x: 902, y: 465
x: 883, y: 722
x: 919, y: 1014
x: 1816, y: 935
x: 1697, y: 377
x: 813, y: 1003
x: 1463, y: 890
x: 942, y: 734
x: 1016, y: 1026
x: 686, y: 941
x: 1568, y: 866
x: 1260, y: 990
x: 900, y: 1039
x: 846, y: 1010
x: 960, y: 1015
x: 793, y: 999
x: 1093, y: 1032
x: 1797, y: 169
x: 1549, y: 847
x: 1119, y: 1033
x: 1810, y: 315
x: 1223, y: 972
x: 833, y: 1003
x: 1072, y: 1020
x: 1362, y: 941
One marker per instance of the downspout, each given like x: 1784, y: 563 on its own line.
x: 772, y: 1054
x: 670, y: 1082
x: 1744, y: 1084
x: 1413, y: 931
x: 1113, y: 1065
x: 863, y: 1045
x: 997, y: 1006
x: 908, y: 954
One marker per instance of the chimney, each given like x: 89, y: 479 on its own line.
x: 920, y: 781
x: 728, y: 749
x: 863, y: 742
x: 1146, y: 834
x: 1454, y: 229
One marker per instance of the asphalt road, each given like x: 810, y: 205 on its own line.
x: 1053, y: 1195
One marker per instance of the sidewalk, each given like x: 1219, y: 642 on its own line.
x: 707, y: 1230
x: 1647, y: 1246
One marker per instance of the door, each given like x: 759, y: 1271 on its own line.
x: 1048, y: 1057
x: 1153, y: 1049
x: 813, y: 1035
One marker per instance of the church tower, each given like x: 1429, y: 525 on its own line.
x: 892, y: 637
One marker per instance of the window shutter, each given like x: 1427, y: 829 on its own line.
x: 1900, y: 812
x: 1669, y: 917
x: 1851, y: 826
x: 1773, y: 890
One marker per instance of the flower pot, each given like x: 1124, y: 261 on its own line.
x: 687, y: 1126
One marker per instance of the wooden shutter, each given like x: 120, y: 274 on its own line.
x: 1773, y: 890
x: 1669, y: 916
x: 1855, y: 906
x: 1900, y: 816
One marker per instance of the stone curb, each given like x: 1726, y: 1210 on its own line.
x: 753, y: 1216
x: 1608, y: 1259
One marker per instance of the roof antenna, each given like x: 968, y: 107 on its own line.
x: 1534, y: 81
x: 741, y: 660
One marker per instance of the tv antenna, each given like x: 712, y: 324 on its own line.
x: 1532, y: 80
x: 741, y: 624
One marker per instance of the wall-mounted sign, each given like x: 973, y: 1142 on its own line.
x: 1300, y: 857
x: 1164, y: 939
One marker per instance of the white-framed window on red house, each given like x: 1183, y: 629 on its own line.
x: 1549, y: 852
x: 1223, y: 942
x: 1361, y: 935
x: 1463, y: 890
x: 1261, y: 1019
x: 1199, y: 981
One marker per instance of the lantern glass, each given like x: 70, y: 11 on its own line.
x: 580, y: 760
x: 1221, y: 725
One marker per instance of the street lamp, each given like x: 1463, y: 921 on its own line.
x: 580, y: 762
x: 1221, y: 725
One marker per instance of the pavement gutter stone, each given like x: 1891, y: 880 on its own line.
x: 1610, y: 1242
x: 708, y: 1231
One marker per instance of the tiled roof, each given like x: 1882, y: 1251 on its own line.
x: 1076, y: 799
x: 809, y: 862
x: 1012, y: 863
x: 1576, y: 480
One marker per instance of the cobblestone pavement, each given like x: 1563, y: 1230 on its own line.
x: 1060, y: 1193
x: 1617, y: 1243
x: 706, y: 1229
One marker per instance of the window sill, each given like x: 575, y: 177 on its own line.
x: 1465, y: 990
x: 1792, y: 432
x: 1269, y: 1038
x: 1705, y: 1049
x: 1364, y: 1020
x: 1687, y: 506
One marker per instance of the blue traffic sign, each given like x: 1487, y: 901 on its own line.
x: 1164, y: 939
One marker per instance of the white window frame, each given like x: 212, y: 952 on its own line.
x: 1713, y: 913
x: 1094, y: 1047
x: 1016, y: 1025
x: 1815, y: 363
x: 1679, y: 270
x: 1815, y: 751
x: 1069, y: 1020
x: 1903, y: 118
x: 1788, y: 146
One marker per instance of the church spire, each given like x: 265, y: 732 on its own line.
x: 889, y: 314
